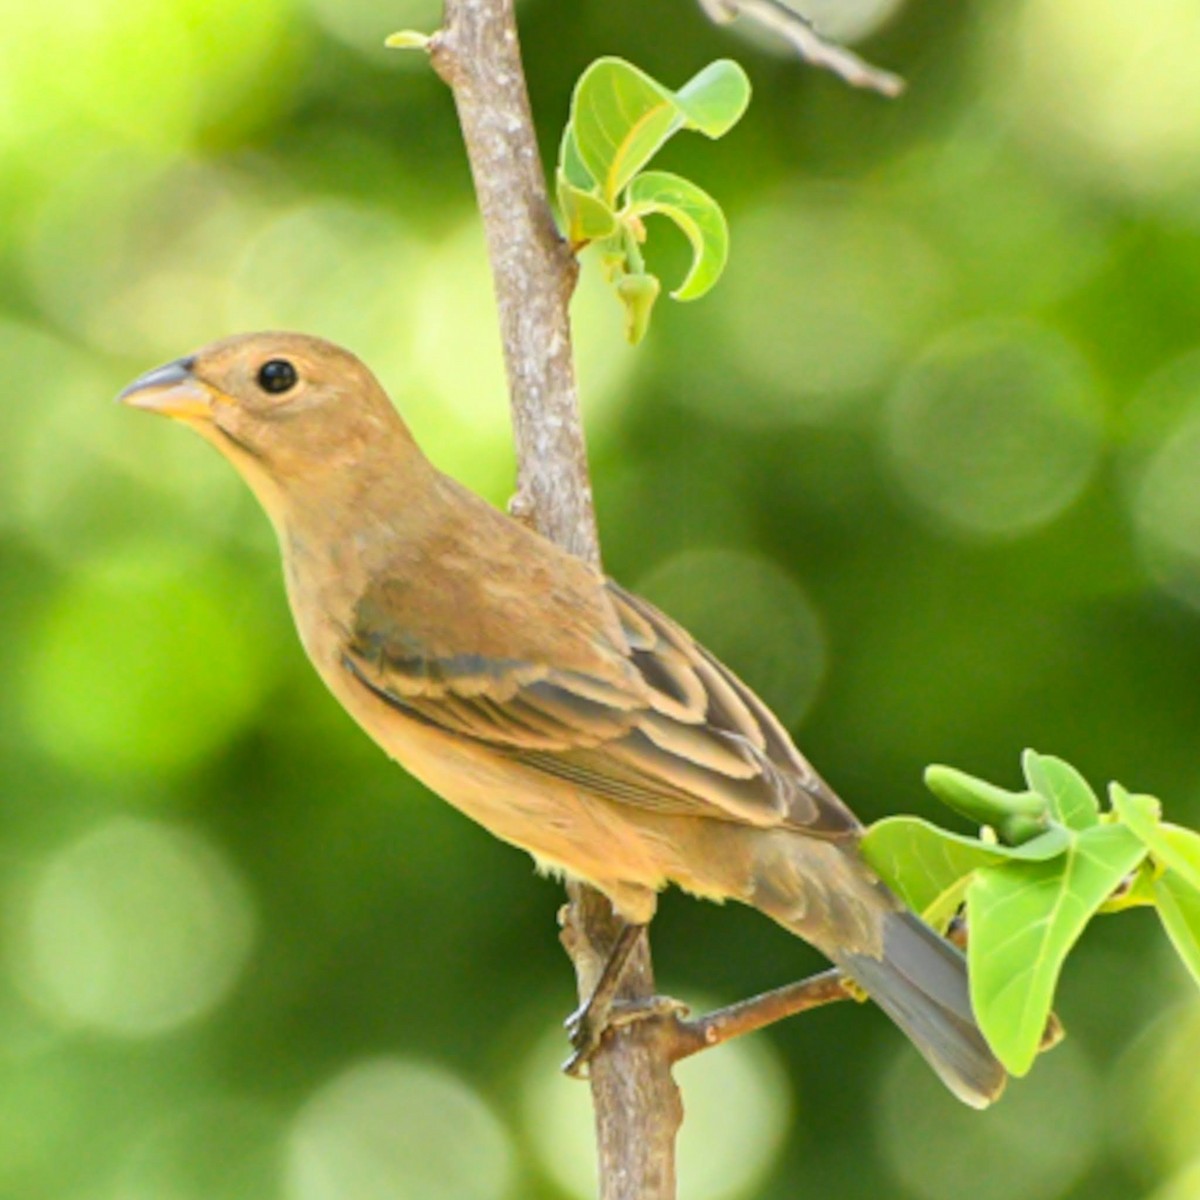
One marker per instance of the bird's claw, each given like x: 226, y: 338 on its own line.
x: 586, y: 1026
x: 584, y: 1034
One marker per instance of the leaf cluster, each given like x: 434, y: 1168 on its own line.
x: 1047, y: 860
x: 620, y: 118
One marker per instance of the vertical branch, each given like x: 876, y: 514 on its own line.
x: 637, y: 1105
x: 533, y: 270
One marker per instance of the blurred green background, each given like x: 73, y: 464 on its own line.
x: 925, y: 468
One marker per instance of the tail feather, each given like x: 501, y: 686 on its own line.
x: 920, y: 981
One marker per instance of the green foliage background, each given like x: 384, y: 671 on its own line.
x: 925, y: 468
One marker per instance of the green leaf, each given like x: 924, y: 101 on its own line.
x: 1143, y: 814
x: 571, y: 166
x: 1017, y: 816
x: 1171, y: 845
x: 620, y: 116
x: 586, y: 218
x: 715, y: 99
x: 929, y: 868
x: 1179, y: 849
x: 1024, y: 918
x: 1071, y: 799
x: 1179, y: 910
x: 697, y: 214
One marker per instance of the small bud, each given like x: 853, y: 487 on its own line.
x: 407, y: 39
x: 1016, y: 816
x: 638, y: 294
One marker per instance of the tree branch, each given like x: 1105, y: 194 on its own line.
x: 808, y: 43
x: 478, y: 55
x: 690, y: 1037
x: 637, y: 1105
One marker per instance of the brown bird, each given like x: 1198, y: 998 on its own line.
x: 564, y: 714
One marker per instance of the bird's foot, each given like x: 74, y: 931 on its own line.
x: 588, y: 1024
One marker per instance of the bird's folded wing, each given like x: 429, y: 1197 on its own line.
x: 667, y: 728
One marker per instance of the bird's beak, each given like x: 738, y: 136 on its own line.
x: 172, y: 390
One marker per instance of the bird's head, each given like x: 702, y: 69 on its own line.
x: 282, y: 407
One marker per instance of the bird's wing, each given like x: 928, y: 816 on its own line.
x: 664, y: 727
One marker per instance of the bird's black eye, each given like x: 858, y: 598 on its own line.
x: 277, y: 376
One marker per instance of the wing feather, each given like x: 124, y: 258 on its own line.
x: 662, y: 725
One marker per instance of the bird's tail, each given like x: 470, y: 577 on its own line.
x: 823, y: 891
x: 920, y: 981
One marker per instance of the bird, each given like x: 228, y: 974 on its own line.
x: 565, y: 714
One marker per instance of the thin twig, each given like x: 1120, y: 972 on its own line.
x: 685, y: 1038
x: 637, y: 1105
x: 690, y: 1037
x: 808, y: 43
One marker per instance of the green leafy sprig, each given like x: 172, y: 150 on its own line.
x: 1048, y: 859
x: 619, y: 120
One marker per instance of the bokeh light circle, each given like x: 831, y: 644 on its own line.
x: 135, y: 257
x: 1033, y: 1145
x: 604, y: 359
x: 849, y: 20
x: 452, y: 397
x: 753, y: 616
x: 995, y: 429
x: 135, y: 929
x: 329, y: 267
x: 739, y: 1110
x: 862, y: 286
x: 1156, y: 1117
x: 1108, y: 89
x: 34, y: 363
x: 79, y: 474
x: 1167, y: 513
x: 365, y: 26
x: 141, y: 71
x: 1017, y: 241
x: 845, y: 21
x: 393, y: 1129
x: 224, y: 1149
x: 1183, y: 1186
x: 137, y: 665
